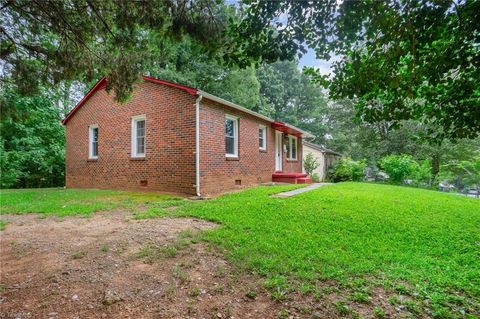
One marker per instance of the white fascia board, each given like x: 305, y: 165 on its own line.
x: 235, y: 106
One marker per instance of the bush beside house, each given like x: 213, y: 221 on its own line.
x: 310, y: 163
x: 347, y: 169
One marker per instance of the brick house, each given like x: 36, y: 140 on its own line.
x: 174, y: 138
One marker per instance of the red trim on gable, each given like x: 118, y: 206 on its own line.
x: 280, y: 126
x: 102, y: 83
x: 189, y: 90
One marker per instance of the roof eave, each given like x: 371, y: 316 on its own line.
x: 248, y: 111
x: 320, y: 148
x: 192, y: 91
x: 100, y: 84
x: 233, y: 105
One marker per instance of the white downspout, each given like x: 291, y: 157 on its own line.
x: 197, y: 144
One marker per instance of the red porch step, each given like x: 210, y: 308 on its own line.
x: 304, y: 180
x: 292, y: 178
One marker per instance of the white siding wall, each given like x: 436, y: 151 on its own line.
x: 321, y: 159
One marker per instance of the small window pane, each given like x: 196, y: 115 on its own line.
x: 229, y: 127
x: 140, y: 145
x: 139, y: 137
x: 140, y: 128
x: 95, y: 134
x: 95, y: 142
x: 294, y: 148
x: 231, y: 136
x: 261, y: 137
x: 230, y: 145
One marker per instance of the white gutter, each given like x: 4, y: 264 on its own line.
x: 197, y: 143
x: 245, y: 110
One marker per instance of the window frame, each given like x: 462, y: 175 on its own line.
x: 264, y: 137
x: 289, y: 148
x: 91, y: 128
x: 235, y: 136
x: 134, y: 136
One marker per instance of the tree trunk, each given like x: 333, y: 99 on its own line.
x: 435, y: 165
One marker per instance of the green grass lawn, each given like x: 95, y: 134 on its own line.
x: 65, y: 202
x: 424, y: 242
x: 411, y: 242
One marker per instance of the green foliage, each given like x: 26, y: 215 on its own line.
x: 379, y: 312
x: 184, y: 63
x: 47, y: 42
x: 398, y: 167
x: 402, y: 167
x: 32, y: 142
x: 346, y: 169
x: 286, y: 94
x: 372, y: 142
x: 310, y: 163
x: 466, y: 172
x: 251, y: 294
x: 199, y: 45
x: 400, y: 59
x: 422, y: 175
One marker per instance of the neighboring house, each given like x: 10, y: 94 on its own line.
x: 323, y: 155
x: 173, y: 138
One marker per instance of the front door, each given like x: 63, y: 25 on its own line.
x: 278, y: 151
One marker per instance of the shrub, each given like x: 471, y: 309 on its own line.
x: 347, y: 169
x: 422, y: 175
x: 310, y: 163
x: 398, y: 167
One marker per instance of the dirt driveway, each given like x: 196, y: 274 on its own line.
x: 101, y: 267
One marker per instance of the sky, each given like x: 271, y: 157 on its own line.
x: 309, y: 59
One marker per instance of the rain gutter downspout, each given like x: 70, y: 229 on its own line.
x: 197, y: 144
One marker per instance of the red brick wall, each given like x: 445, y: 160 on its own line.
x: 219, y: 173
x: 169, y: 164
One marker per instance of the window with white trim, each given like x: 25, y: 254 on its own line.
x: 292, y: 147
x: 93, y: 141
x: 231, y: 136
x: 262, y: 137
x: 138, y: 136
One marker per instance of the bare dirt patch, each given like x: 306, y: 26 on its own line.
x: 113, y: 266
x: 78, y: 267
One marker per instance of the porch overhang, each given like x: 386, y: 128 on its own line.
x: 290, y: 129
